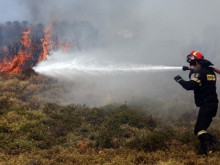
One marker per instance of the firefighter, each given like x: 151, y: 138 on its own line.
x: 203, y: 83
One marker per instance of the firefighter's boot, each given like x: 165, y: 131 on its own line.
x: 206, y: 144
x: 207, y: 148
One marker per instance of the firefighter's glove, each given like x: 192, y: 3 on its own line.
x: 185, y: 68
x: 178, y: 78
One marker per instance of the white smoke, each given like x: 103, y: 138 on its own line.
x: 96, y: 80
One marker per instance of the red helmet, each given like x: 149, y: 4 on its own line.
x: 194, y: 55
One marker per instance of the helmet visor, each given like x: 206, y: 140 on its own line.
x: 190, y: 58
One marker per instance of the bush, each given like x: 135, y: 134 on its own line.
x: 151, y: 141
x: 134, y: 118
x: 4, y: 128
x: 5, y: 140
x: 104, y: 139
x: 186, y: 136
x: 5, y: 103
x: 50, y: 108
x: 32, y: 127
x: 18, y: 146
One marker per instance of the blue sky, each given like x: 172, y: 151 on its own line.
x: 12, y: 10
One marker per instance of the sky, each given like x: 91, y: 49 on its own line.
x: 148, y: 22
x: 13, y: 10
x: 145, y: 32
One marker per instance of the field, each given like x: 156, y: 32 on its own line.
x: 37, y: 128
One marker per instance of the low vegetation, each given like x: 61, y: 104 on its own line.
x: 36, y: 129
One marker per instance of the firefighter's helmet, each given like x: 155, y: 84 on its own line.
x: 193, y: 56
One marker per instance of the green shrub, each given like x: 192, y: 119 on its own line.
x: 134, y: 118
x: 68, y: 110
x: 46, y: 144
x: 34, y: 130
x: 50, y: 108
x: 5, y: 103
x: 95, y: 116
x: 151, y: 141
x: 18, y: 146
x: 4, y: 128
x: 186, y: 136
x: 5, y: 140
x: 64, y: 117
x: 104, y: 139
x: 57, y: 130
x: 3, y: 111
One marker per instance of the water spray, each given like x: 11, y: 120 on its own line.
x: 59, y: 67
x: 91, y: 65
x: 84, y: 64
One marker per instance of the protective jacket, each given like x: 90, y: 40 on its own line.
x: 204, y: 85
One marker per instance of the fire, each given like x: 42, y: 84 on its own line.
x: 24, y: 54
x: 12, y: 65
x: 65, y: 46
x: 30, y: 50
x: 47, y: 44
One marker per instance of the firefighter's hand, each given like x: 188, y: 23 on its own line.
x: 185, y: 68
x: 178, y: 78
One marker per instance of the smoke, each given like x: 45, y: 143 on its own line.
x: 97, y: 80
x: 153, y: 31
x: 126, y: 32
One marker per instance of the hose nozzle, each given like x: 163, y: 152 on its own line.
x: 186, y: 68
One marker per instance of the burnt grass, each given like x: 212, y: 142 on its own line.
x: 36, y: 129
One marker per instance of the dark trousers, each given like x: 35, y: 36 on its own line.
x: 206, y: 112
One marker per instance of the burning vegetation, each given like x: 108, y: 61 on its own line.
x: 14, y: 64
x: 22, y: 45
x: 25, y: 52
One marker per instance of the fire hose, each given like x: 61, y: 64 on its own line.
x: 188, y: 68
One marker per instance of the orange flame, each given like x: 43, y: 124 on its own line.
x: 16, y: 64
x: 65, y: 46
x: 47, y: 44
x: 11, y: 63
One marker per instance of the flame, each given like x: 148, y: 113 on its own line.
x: 46, y: 44
x: 65, y: 46
x: 16, y: 64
